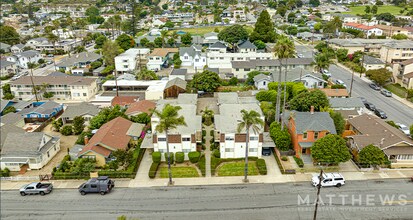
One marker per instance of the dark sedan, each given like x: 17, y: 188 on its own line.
x: 370, y: 106
x: 380, y: 113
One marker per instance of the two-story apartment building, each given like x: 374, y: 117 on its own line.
x: 232, y: 143
x: 403, y: 73
x: 345, y: 18
x: 74, y: 88
x: 359, y: 44
x: 193, y: 57
x: 23, y: 59
x: 131, y: 60
x: 396, y: 51
x: 367, y: 30
x: 183, y: 138
x: 159, y: 58
x: 390, y: 31
x: 65, y: 45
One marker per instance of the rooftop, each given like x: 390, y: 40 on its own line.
x: 141, y: 106
x: 162, y: 52
x: 346, y: 103
x: 54, y: 80
x: 307, y: 121
x: 81, y: 109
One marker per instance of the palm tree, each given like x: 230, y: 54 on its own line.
x: 164, y: 34
x: 250, y: 120
x: 284, y: 48
x: 31, y: 66
x: 168, y: 120
x: 53, y: 39
x: 322, y: 61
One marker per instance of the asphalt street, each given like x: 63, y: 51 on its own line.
x: 305, y: 50
x: 395, y: 110
x: 390, y: 199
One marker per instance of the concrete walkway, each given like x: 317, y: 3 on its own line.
x: 143, y: 170
x: 207, y: 151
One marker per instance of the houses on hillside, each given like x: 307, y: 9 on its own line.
x: 403, y: 73
x: 77, y: 61
x: 24, y: 58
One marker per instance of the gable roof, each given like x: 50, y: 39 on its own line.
x: 124, y: 100
x: 371, y: 60
x: 5, y: 63
x: 218, y: 44
x: 81, y: 109
x: 162, y: 52
x: 5, y: 130
x: 20, y: 46
x: 346, y: 103
x: 246, y: 45
x: 11, y: 118
x: 261, y: 77
x: 55, y: 80
x: 141, y: 106
x: 307, y: 121
x: 181, y: 72
x: 79, y: 58
x: 45, y: 108
x: 407, y: 62
x: 176, y: 82
x: 28, y: 53
x: 28, y: 144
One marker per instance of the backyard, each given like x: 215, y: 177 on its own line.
x: 237, y: 168
x: 395, y: 10
x: 178, y: 171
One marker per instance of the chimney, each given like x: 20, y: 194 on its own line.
x: 86, y: 138
x: 312, y: 109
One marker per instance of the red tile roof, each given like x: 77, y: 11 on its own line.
x: 124, y: 100
x: 141, y: 106
x: 359, y: 26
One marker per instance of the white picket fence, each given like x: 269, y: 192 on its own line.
x: 20, y: 178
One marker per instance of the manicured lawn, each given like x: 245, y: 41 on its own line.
x: 237, y: 169
x: 396, y: 89
x: 178, y: 172
x: 382, y: 9
x: 207, y: 29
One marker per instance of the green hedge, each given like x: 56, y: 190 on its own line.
x: 5, y: 172
x: 262, y: 167
x: 201, y: 165
x: 194, y: 156
x: 217, y: 154
x: 153, y: 169
x: 117, y: 174
x: 64, y: 176
x: 171, y: 155
x: 156, y: 157
x: 180, y: 157
x: 299, y: 162
x: 211, y: 132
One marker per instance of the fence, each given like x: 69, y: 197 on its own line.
x: 20, y: 178
x: 277, y: 156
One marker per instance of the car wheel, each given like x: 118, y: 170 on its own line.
x: 22, y: 193
x: 42, y: 193
x: 102, y: 193
x: 82, y: 193
x: 338, y: 185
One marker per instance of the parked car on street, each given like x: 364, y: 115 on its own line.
x: 374, y: 86
x: 370, y: 106
x: 380, y: 113
x: 339, y: 82
x: 386, y: 92
x: 100, y: 185
x: 36, y: 188
x: 364, y: 100
x: 404, y: 128
x: 49, y: 62
x: 329, y: 179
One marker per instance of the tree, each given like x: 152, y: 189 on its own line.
x: 251, y: 120
x: 158, y: 42
x: 281, y: 10
x: 95, y: 65
x: 374, y: 9
x: 411, y: 130
x: 165, y: 6
x: 78, y: 125
x: 314, y: 3
x: 7, y: 95
x: 164, y: 35
x: 399, y: 37
x: 171, y: 42
x: 338, y: 120
x: 66, y: 130
x: 317, y: 26
x: 330, y: 149
x: 177, y: 63
x: 53, y: 39
x: 372, y: 155
x: 291, y: 17
x: 206, y: 81
x: 79, y: 49
x: 379, y: 76
x: 322, y: 61
x: 110, y: 50
x: 105, y: 115
x: 233, y: 34
x: 168, y: 119
x: 9, y: 109
x: 99, y: 41
x: 378, y: 2
x: 216, y: 30
x: 186, y: 39
x: 259, y: 44
x: 342, y: 54
x: 57, y: 124
x: 367, y: 9
x: 264, y: 29
x: 304, y: 100
x: 386, y: 17
x: 281, y: 137
x: 146, y: 74
x: 9, y: 35
x: 142, y: 118
x: 144, y: 41
x: 125, y: 41
x: 92, y: 15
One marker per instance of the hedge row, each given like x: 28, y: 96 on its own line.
x: 201, y: 165
x: 156, y: 157
x: 217, y: 154
x: 65, y: 176
x: 152, y: 170
x: 262, y: 167
x: 117, y: 174
x: 180, y: 157
x: 299, y: 162
x: 5, y: 172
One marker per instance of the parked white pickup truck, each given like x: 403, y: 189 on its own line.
x: 329, y: 179
x: 36, y: 188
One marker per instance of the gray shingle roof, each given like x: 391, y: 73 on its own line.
x: 318, y: 121
x: 372, y: 60
x: 346, y: 103
x: 20, y: 46
x: 246, y: 45
x: 177, y: 82
x: 29, y: 53
x: 5, y: 63
x: 46, y: 108
x: 181, y: 72
x: 81, y: 57
x: 83, y: 108
x: 218, y: 44
x: 296, y: 73
x: 261, y: 76
x: 25, y: 144
x: 11, y: 118
x: 5, y: 130
x: 271, y: 62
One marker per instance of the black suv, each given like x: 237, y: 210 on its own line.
x: 370, y: 106
x: 380, y: 113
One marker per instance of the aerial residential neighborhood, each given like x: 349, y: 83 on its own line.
x: 184, y: 109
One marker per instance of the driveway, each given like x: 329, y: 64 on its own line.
x: 272, y: 166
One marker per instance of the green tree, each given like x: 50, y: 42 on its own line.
x: 158, y: 42
x: 125, y: 41
x: 331, y: 149
x: 292, y: 30
x: 367, y: 9
x: 7, y: 92
x: 110, y: 50
x: 374, y: 9
x: 318, y: 26
x: 342, y: 54
x: 9, y: 109
x: 264, y: 29
x: 146, y: 74
x: 233, y: 34
x: 259, y: 44
x: 322, y: 61
x: 66, y: 130
x: 9, y: 35
x: 105, y: 115
x: 399, y: 37
x: 385, y: 17
x: 251, y: 120
x: 57, y: 124
x: 372, y: 155
x: 281, y: 137
x: 78, y: 125
x: 291, y: 17
x: 169, y: 119
x: 314, y: 3
x: 379, y: 76
x: 338, y: 120
x: 206, y: 81
x: 165, y: 6
x: 95, y: 65
x: 304, y: 100
x: 142, y: 118
x: 177, y: 63
x: 164, y: 35
x: 186, y: 39
x: 144, y: 41
x: 53, y: 39
x: 411, y: 130
x: 281, y: 10
x: 99, y: 41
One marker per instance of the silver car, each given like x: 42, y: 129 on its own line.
x: 386, y: 92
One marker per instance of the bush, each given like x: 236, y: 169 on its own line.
x: 156, y: 157
x: 194, y: 156
x: 262, y: 167
x: 217, y: 154
x: 201, y: 165
x: 153, y: 169
x: 299, y: 162
x: 180, y: 157
x: 66, y: 130
x: 171, y: 155
x: 5, y: 172
x: 284, y: 158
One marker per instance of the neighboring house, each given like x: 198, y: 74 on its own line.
x: 36, y: 41
x: 174, y: 87
x: 307, y: 127
x: 178, y: 73
x: 5, y: 48
x: 349, y: 107
x: 7, y: 68
x: 372, y: 63
x: 396, y: 51
x: 367, y: 30
x: 183, y: 138
x: 160, y: 57
x: 210, y: 38
x: 131, y: 60
x: 232, y: 143
x: 22, y: 59
x: 143, y: 106
x: 310, y: 36
x: 359, y: 44
x: 193, y: 57
x: 29, y: 150
x: 80, y: 60
x: 63, y: 33
x: 64, y: 45
x: 390, y: 31
x: 310, y: 79
x: 84, y: 109
x: 41, y: 111
x: 124, y: 101
x: 159, y: 22
x: 367, y: 129
x: 114, y: 135
x: 403, y: 73
x: 18, y: 48
x: 261, y: 81
x: 12, y: 119
x: 336, y: 93
x: 152, y: 89
x: 74, y: 88
x: 345, y: 18
x: 5, y: 129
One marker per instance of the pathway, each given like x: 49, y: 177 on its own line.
x: 207, y: 151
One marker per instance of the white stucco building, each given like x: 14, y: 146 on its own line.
x: 129, y: 60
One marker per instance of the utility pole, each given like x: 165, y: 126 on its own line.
x: 320, y: 178
x: 351, y: 83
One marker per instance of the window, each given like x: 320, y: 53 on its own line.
x: 185, y: 57
x: 246, y: 69
x: 186, y: 139
x: 263, y: 83
x: 316, y: 135
x: 186, y: 150
x: 93, y: 186
x: 48, y: 154
x: 125, y: 61
x: 212, y: 58
x: 161, y: 139
x: 162, y: 151
x: 196, y: 60
x: 229, y: 149
x: 55, y: 148
x: 221, y: 58
x: 305, y: 135
x: 236, y: 69
x: 229, y: 138
x: 125, y: 66
x: 253, y: 149
x: 253, y: 138
x: 84, y: 94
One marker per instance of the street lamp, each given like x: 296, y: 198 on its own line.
x: 320, y: 178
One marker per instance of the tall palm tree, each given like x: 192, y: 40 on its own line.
x: 168, y: 120
x: 250, y: 120
x: 164, y: 35
x: 284, y: 48
x: 322, y: 61
x: 31, y: 66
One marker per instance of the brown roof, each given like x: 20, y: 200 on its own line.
x: 141, y: 106
x: 390, y: 28
x: 162, y: 52
x: 124, y: 100
x: 54, y: 80
x: 407, y: 62
x: 408, y: 75
x: 110, y: 137
x: 335, y: 92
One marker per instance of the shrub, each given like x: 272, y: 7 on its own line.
x: 299, y: 162
x: 5, y: 172
x: 211, y: 132
x: 194, y: 156
x: 217, y: 154
x: 171, y: 155
x: 66, y: 130
x: 152, y: 170
x: 201, y: 165
x: 284, y: 158
x: 180, y: 157
x: 262, y: 167
x: 156, y: 157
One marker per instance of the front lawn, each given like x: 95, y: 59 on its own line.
x: 179, y: 172
x: 396, y: 89
x: 237, y: 168
x: 395, y: 10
